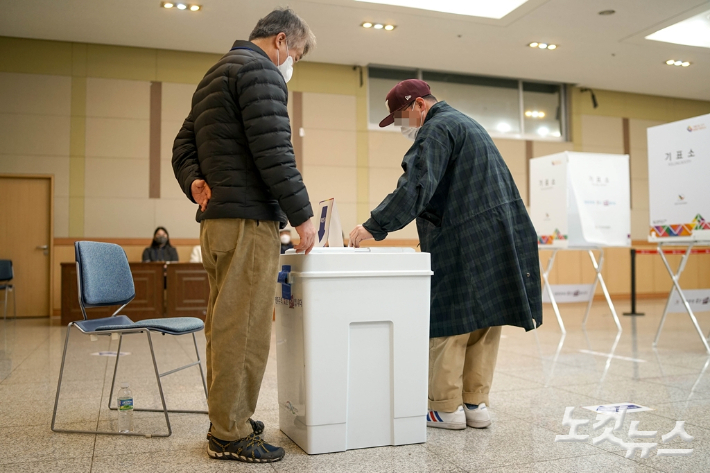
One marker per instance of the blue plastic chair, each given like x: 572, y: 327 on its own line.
x: 104, y: 279
x: 6, y: 276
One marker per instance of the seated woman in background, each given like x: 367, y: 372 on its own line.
x: 160, y: 249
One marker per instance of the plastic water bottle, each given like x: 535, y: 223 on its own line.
x: 125, y: 409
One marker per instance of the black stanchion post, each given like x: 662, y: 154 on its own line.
x: 633, y: 286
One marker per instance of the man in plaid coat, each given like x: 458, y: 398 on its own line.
x: 483, y: 247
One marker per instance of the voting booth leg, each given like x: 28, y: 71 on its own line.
x: 663, y: 317
x: 676, y: 277
x: 633, y: 312
x: 600, y: 279
x: 545, y: 277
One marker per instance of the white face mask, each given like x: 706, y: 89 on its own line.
x: 285, y: 239
x: 410, y: 132
x: 286, y: 69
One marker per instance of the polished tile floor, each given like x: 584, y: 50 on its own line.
x: 538, y: 376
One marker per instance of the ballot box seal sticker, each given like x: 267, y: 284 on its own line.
x: 284, y: 278
x: 291, y: 303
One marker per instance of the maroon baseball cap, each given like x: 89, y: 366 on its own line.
x: 402, y: 95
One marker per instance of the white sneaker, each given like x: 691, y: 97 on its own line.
x: 477, y: 418
x: 447, y: 420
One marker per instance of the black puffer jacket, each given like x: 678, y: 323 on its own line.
x: 237, y: 137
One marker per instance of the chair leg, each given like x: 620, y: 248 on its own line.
x: 14, y: 303
x: 5, y: 312
x: 160, y: 384
x: 61, y: 373
x: 199, y: 363
x: 95, y: 432
x: 115, y: 370
x: 160, y: 375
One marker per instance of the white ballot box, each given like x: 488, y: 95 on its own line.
x: 352, y: 343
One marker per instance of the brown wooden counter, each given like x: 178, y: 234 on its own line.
x: 186, y: 295
x: 188, y: 290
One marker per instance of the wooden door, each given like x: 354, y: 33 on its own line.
x: 26, y: 238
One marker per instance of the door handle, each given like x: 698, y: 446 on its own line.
x: 44, y: 248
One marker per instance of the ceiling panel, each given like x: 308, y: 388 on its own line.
x: 594, y: 51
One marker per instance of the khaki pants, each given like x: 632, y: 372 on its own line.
x: 461, y: 368
x: 241, y: 259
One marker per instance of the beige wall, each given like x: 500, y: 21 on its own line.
x: 82, y: 111
x: 330, y: 152
x: 385, y: 152
x: 34, y: 132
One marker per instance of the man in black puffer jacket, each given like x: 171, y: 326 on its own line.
x: 234, y: 158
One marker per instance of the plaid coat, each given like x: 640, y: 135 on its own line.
x: 470, y: 217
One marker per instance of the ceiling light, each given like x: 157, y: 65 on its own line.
x: 497, y: 9
x: 543, y: 131
x: 675, y: 62
x: 503, y: 127
x: 181, y: 6
x: 695, y: 31
x: 538, y: 45
x: 194, y: 7
x: 378, y: 26
x: 167, y: 5
x: 534, y: 114
x: 607, y: 12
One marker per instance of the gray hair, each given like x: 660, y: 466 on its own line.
x: 285, y: 20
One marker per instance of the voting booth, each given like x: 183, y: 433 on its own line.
x: 679, y: 200
x: 352, y: 342
x: 678, y: 180
x: 580, y: 201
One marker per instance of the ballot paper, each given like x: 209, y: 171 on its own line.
x: 330, y: 232
x: 628, y: 406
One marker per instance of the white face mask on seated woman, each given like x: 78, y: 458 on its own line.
x: 285, y: 239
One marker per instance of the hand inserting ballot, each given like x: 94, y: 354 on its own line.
x: 358, y: 235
